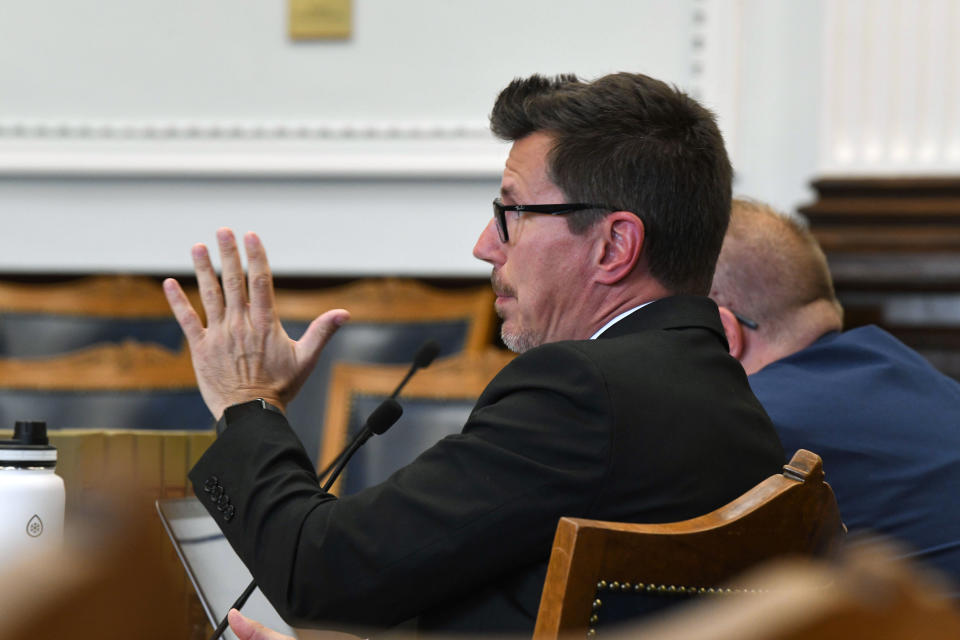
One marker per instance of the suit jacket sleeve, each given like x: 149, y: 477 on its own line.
x: 471, y: 509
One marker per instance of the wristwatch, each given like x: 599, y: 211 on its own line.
x: 259, y: 403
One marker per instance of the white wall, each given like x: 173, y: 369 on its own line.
x: 777, y: 113
x: 130, y: 130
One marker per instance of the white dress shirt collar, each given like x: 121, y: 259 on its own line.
x: 618, y: 319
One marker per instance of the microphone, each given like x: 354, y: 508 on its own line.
x: 380, y: 419
x: 426, y: 354
x: 422, y: 359
x: 383, y: 417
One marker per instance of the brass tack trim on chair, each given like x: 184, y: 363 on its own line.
x: 660, y: 589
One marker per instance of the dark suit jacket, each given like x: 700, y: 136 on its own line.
x: 887, y: 425
x: 653, y: 422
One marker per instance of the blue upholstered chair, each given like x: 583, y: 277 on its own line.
x: 112, y: 386
x: 436, y: 403
x: 46, y: 319
x: 390, y: 320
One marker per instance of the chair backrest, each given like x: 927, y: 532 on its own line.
x: 390, y: 320
x: 43, y: 319
x: 113, y: 386
x: 593, y: 562
x: 436, y: 403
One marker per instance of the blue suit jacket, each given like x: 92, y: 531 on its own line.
x: 887, y: 425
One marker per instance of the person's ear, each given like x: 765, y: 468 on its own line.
x: 621, y: 241
x: 734, y: 332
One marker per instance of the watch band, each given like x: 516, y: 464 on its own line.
x: 260, y: 403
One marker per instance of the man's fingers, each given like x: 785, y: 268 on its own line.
x: 183, y: 311
x: 247, y: 629
x: 318, y: 333
x: 210, y: 295
x: 262, y: 308
x: 234, y: 291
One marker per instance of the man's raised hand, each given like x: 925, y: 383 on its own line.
x: 244, y: 353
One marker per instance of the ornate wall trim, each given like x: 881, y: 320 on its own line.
x: 236, y: 129
x: 224, y: 148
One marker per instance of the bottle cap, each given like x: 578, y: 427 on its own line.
x: 30, y: 446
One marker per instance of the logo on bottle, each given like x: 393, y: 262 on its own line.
x: 35, y: 527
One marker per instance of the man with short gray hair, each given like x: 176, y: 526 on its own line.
x: 885, y: 422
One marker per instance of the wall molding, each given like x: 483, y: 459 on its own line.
x: 890, y: 92
x: 71, y: 129
x: 248, y: 148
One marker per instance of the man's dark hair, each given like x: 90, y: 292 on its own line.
x: 634, y: 143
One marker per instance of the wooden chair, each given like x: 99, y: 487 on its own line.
x: 390, y: 320
x: 594, y: 564
x: 111, y: 386
x: 436, y: 403
x: 52, y: 318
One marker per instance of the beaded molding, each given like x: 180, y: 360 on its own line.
x: 249, y: 148
x: 239, y: 129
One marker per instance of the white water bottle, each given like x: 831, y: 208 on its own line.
x: 31, y: 494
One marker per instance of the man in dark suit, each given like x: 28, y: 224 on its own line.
x: 612, y: 209
x: 885, y: 422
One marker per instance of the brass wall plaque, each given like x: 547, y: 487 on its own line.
x: 320, y: 19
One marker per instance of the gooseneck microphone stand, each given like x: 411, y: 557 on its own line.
x: 382, y: 418
x: 425, y: 355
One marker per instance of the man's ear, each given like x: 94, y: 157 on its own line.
x: 622, y: 240
x: 734, y: 331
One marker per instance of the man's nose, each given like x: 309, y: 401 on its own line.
x: 488, y: 247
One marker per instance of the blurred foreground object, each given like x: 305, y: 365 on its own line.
x: 869, y: 594
x: 108, y: 581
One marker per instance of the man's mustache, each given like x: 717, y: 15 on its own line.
x: 500, y: 287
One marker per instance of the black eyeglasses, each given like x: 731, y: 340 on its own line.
x: 747, y: 322
x: 500, y: 210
